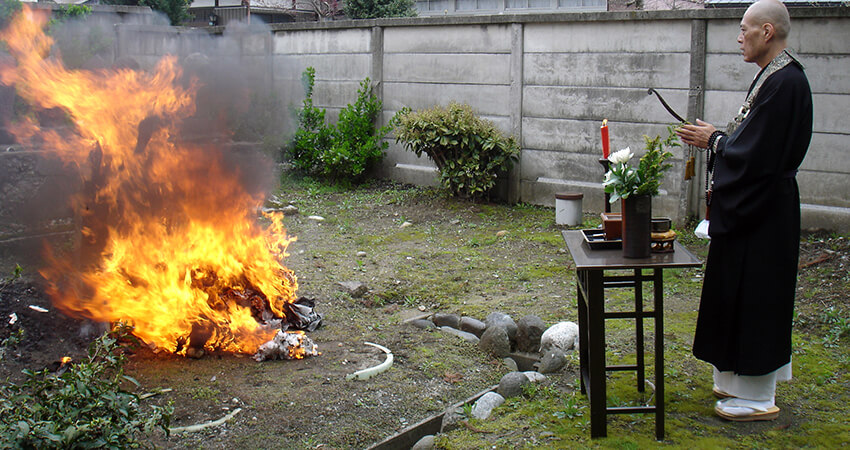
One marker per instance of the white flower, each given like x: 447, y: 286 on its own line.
x: 621, y: 157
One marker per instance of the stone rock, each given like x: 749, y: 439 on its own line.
x: 316, y: 218
x: 499, y: 318
x: 471, y: 325
x: 426, y: 443
x: 468, y: 337
x: 511, y: 384
x: 553, y: 360
x: 424, y: 324
x: 361, y: 254
x: 525, y: 361
x: 495, y: 341
x: 451, y: 420
x: 510, y: 364
x: 289, y: 210
x: 405, y: 224
x: 562, y: 335
x: 446, y: 320
x: 529, y: 330
x: 486, y: 404
x: 535, y: 377
x: 353, y: 288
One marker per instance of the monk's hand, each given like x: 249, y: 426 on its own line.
x: 696, y: 135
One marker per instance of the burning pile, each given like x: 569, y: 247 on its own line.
x: 171, y: 242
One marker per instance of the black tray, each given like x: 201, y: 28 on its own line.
x: 595, y: 240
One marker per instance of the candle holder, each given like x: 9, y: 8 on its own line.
x: 606, y: 166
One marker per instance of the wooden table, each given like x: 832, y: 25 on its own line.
x: 592, y: 281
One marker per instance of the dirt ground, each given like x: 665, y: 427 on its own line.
x: 455, y: 256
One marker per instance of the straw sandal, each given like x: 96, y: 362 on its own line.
x: 720, y: 394
x: 758, y: 414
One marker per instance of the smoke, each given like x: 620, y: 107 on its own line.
x: 238, y: 117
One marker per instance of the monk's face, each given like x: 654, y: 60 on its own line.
x: 752, y: 39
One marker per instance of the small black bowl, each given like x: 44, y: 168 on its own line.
x: 661, y: 224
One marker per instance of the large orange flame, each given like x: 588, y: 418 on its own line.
x: 181, y: 255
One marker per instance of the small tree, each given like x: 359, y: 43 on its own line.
x: 8, y: 8
x: 343, y: 152
x: 176, y: 10
x: 374, y: 9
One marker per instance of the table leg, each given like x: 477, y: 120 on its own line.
x: 641, y: 364
x: 581, y: 288
x: 658, y: 285
x: 596, y: 354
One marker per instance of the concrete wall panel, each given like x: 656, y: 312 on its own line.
x: 722, y: 36
x: 448, y: 68
x: 486, y: 99
x: 831, y: 113
x: 355, y: 40
x: 721, y: 106
x: 618, y: 37
x: 820, y: 36
x: 583, y: 136
x: 335, y: 93
x: 827, y: 73
x: 641, y: 70
x: 355, y: 66
x: 828, y: 153
x: 449, y: 39
x: 823, y: 188
x: 627, y: 105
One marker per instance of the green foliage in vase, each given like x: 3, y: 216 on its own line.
x: 623, y: 180
x: 470, y: 152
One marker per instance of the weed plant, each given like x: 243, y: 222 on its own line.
x: 82, y: 405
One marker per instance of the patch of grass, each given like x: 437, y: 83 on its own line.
x: 206, y: 393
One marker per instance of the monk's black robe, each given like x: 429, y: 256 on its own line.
x: 747, y: 302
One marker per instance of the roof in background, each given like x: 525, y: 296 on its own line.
x: 791, y: 3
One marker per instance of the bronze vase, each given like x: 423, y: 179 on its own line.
x: 637, y: 220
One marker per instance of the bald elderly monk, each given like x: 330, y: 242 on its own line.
x: 747, y: 304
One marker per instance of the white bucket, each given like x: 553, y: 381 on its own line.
x: 568, y: 208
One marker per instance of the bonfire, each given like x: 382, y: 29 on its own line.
x: 170, y: 238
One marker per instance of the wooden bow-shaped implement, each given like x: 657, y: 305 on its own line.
x: 690, y: 171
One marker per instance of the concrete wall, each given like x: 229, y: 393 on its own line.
x: 550, y: 79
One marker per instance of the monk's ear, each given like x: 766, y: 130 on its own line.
x: 768, y: 31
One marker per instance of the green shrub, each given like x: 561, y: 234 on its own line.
x: 373, y: 9
x: 469, y: 151
x: 8, y: 8
x: 84, y: 407
x: 343, y: 152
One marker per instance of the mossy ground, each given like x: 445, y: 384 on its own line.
x: 475, y: 258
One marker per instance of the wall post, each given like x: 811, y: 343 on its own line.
x: 690, y: 201
x: 517, y: 82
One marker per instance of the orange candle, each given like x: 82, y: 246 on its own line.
x: 606, y: 147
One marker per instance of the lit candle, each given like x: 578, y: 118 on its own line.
x: 606, y: 148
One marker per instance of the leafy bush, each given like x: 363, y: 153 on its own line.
x: 469, y: 151
x: 373, y: 9
x: 84, y: 407
x: 342, y: 152
x: 8, y: 8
